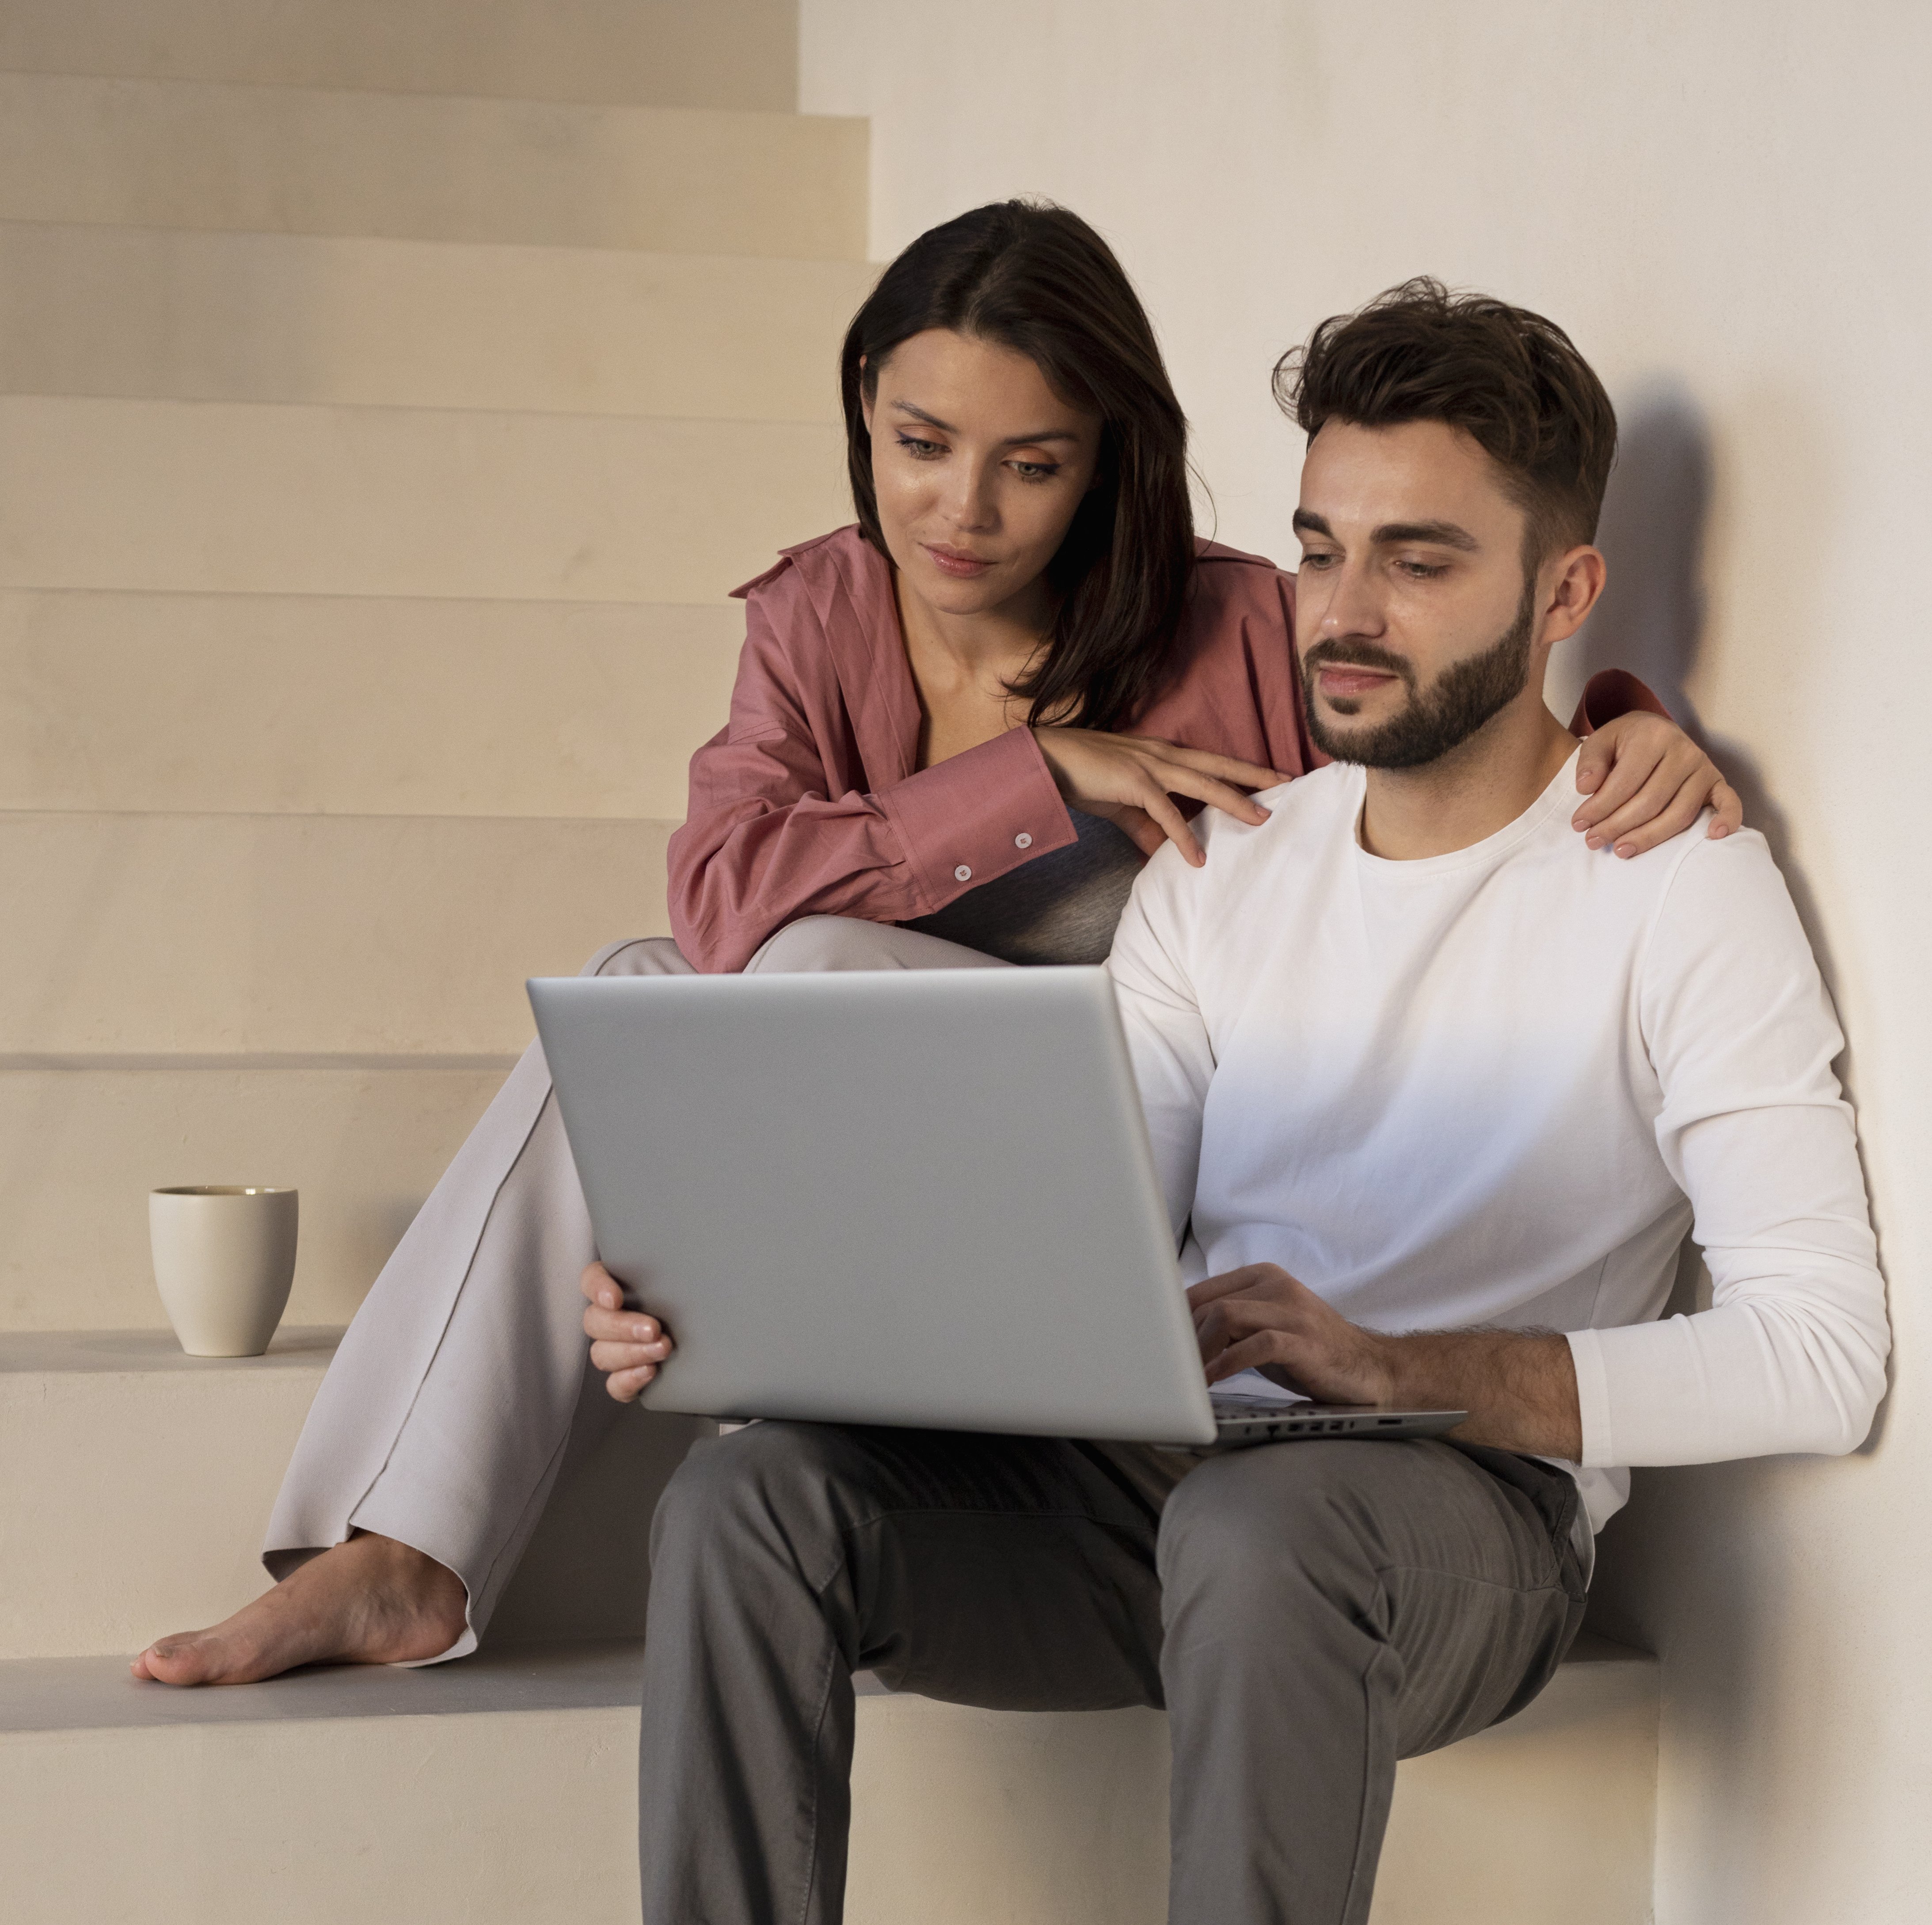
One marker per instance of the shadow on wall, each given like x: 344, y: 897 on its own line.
x: 1683, y: 1569
x: 1652, y: 618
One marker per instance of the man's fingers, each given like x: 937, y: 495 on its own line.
x: 1270, y: 1349
x: 1232, y: 1283
x: 600, y: 1287
x: 624, y: 1385
x: 611, y: 1356
x: 626, y: 1326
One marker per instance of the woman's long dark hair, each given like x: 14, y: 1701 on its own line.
x: 1034, y: 278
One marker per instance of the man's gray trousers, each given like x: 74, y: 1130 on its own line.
x: 1307, y: 1612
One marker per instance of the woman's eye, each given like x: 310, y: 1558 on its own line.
x: 1035, y: 471
x: 919, y: 451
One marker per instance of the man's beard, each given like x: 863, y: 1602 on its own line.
x: 1436, y: 719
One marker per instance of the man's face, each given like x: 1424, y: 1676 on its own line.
x: 1413, y: 621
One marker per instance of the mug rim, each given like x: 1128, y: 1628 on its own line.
x: 225, y: 1189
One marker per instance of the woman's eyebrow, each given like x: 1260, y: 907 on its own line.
x: 1011, y: 441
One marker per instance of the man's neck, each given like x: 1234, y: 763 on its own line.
x: 1480, y: 787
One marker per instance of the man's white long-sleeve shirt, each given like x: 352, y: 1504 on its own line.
x: 1494, y: 1088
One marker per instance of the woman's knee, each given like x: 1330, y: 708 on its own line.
x: 823, y: 942
x: 638, y: 956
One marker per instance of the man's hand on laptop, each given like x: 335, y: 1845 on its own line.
x: 1519, y: 1387
x: 627, y: 1346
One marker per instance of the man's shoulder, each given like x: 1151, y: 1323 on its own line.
x: 1308, y: 820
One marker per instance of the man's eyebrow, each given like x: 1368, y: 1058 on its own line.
x: 1011, y: 441
x: 1437, y: 534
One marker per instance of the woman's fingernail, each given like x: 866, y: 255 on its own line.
x: 1625, y: 851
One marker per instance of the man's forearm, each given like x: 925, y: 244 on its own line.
x: 1520, y: 1388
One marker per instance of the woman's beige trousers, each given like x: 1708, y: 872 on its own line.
x: 464, y: 1384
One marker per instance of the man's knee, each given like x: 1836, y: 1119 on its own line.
x: 1263, y: 1525
x: 762, y: 1486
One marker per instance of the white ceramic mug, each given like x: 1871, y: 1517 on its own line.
x: 224, y: 1257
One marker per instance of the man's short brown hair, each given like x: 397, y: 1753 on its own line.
x: 1511, y: 380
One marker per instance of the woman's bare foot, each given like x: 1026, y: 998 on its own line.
x: 371, y: 1600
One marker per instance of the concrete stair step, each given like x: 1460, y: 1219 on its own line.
x: 300, y: 160
x: 225, y: 498
x: 155, y: 934
x: 140, y: 1481
x: 724, y: 53
x: 501, y: 1788
x: 341, y: 706
x: 83, y: 1141
x: 161, y: 314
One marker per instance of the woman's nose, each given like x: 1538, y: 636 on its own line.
x: 971, y: 503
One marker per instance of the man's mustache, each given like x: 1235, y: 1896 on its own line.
x: 1357, y: 654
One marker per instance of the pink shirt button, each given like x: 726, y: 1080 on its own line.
x: 962, y: 874
x: 1023, y: 840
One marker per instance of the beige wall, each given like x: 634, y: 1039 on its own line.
x: 1725, y: 204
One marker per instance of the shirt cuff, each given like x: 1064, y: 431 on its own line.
x: 1593, y: 1398
x: 977, y: 816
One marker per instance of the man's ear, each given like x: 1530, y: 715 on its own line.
x: 1575, y: 580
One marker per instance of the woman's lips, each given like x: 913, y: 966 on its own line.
x: 955, y: 561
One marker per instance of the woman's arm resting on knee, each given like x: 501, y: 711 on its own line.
x: 627, y: 1346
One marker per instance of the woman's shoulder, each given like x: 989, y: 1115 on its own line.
x: 1235, y: 602
x: 817, y: 570
x: 1226, y: 577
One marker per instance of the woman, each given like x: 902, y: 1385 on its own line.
x: 957, y: 730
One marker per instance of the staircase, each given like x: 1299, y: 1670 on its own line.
x: 390, y: 390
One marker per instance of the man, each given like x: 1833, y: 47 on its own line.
x: 1435, y: 1091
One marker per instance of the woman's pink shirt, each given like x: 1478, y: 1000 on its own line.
x: 808, y: 801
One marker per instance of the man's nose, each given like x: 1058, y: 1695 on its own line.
x: 1352, y: 605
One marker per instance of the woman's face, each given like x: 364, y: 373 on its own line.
x: 979, y: 468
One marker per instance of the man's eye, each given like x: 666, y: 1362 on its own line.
x: 1316, y: 558
x: 1423, y: 570
x: 919, y: 451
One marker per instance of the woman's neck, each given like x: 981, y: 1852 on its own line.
x: 991, y: 644
x: 963, y: 665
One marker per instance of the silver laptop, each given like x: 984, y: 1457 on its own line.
x: 908, y: 1197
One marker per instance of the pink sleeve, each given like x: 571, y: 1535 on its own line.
x: 1609, y: 693
x: 773, y: 834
